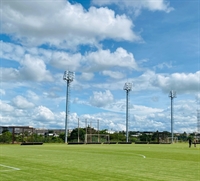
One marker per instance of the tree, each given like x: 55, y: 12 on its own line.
x: 75, y: 132
x: 6, y: 137
x: 114, y: 136
x: 183, y: 137
x: 121, y: 136
x: 104, y: 131
x: 143, y: 137
x: 6, y: 130
x: 62, y: 136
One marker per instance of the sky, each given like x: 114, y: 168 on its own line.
x: 152, y: 44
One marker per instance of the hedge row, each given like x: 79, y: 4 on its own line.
x: 32, y: 143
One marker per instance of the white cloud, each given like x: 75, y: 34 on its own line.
x: 181, y: 82
x: 40, y: 116
x: 152, y: 5
x: 42, y: 113
x: 9, y: 74
x: 148, y: 124
x: 31, y: 68
x: 2, y: 92
x: 86, y: 76
x: 63, y: 60
x: 104, y: 59
x: 32, y: 60
x: 22, y: 103
x: 5, y: 107
x: 163, y: 65
x: 107, y: 120
x: 11, y: 51
x: 100, y: 99
x: 34, y: 69
x: 198, y: 98
x: 113, y: 74
x: 32, y: 95
x: 140, y: 110
x: 34, y: 28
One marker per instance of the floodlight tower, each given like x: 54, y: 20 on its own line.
x: 198, y: 120
x: 127, y: 88
x: 172, y: 95
x: 68, y: 77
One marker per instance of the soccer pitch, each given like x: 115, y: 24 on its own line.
x: 134, y: 162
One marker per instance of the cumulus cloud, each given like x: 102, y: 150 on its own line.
x: 58, y: 23
x: 104, y: 59
x: 158, y: 5
x: 101, y: 99
x: 32, y: 95
x: 33, y: 62
x: 9, y: 74
x: 11, y: 51
x: 140, y: 110
x: 38, y: 117
x: 43, y: 113
x: 34, y: 69
x: 113, y: 74
x: 99, y: 60
x: 148, y: 124
x: 2, y: 92
x: 22, y: 103
x: 107, y: 120
x: 86, y: 76
x: 197, y: 97
x: 5, y: 107
x: 31, y: 68
x: 163, y: 65
x: 63, y: 60
x: 181, y: 82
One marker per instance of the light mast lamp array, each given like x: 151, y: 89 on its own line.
x: 68, y: 77
x: 127, y: 88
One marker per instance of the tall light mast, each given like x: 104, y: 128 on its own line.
x: 127, y: 88
x: 172, y: 95
x: 198, y: 120
x: 68, y: 77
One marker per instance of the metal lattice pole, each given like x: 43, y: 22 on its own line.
x: 127, y: 88
x: 68, y: 77
x: 172, y: 95
x: 198, y: 120
x: 78, y: 131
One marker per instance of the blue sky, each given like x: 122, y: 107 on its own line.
x: 155, y: 45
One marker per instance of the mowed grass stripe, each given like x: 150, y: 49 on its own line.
x: 101, y: 162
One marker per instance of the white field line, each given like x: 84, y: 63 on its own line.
x: 11, y: 168
x: 7, y: 170
x: 141, y: 155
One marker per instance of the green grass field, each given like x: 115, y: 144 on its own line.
x: 57, y: 162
